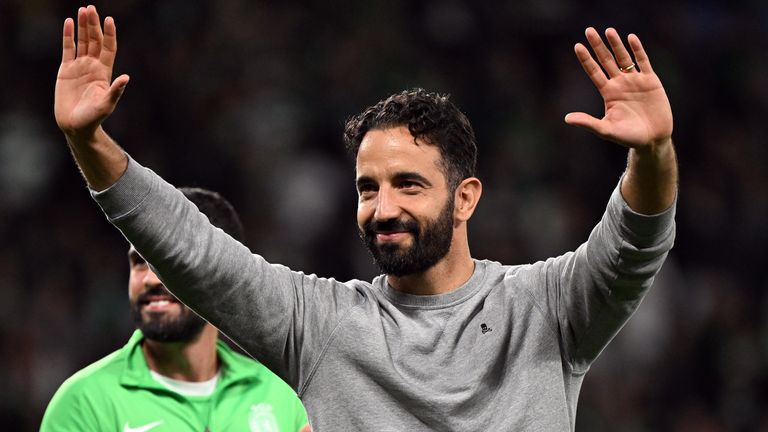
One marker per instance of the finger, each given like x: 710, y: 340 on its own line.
x: 590, y: 66
x: 109, y: 48
x: 95, y: 36
x: 623, y: 59
x: 82, y: 32
x: 586, y: 121
x: 603, y: 54
x: 68, y: 44
x: 640, y: 55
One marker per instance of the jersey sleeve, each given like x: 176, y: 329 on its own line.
x: 590, y: 293
x: 301, y: 415
x: 70, y: 410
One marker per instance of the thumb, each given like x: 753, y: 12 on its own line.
x: 586, y: 121
x: 117, y: 88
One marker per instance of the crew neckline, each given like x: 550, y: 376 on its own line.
x: 435, y: 301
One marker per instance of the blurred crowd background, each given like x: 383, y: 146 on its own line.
x: 249, y: 98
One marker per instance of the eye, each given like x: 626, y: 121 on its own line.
x: 136, y: 261
x: 366, y: 189
x: 410, y: 186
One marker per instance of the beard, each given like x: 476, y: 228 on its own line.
x: 430, y: 243
x: 160, y: 327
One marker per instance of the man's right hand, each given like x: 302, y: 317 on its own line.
x: 85, y: 97
x: 84, y: 94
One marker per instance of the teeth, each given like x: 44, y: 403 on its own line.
x: 159, y: 303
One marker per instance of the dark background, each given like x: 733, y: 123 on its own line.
x: 249, y: 98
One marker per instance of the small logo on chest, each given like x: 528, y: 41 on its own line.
x: 484, y: 328
x: 261, y: 418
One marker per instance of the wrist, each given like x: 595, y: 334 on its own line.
x: 654, y: 151
x: 85, y: 138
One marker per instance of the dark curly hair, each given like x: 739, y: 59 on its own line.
x: 430, y: 117
x: 219, y: 211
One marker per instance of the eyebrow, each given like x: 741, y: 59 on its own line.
x: 400, y: 176
x: 409, y: 175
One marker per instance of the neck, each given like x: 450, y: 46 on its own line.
x: 185, y: 361
x: 446, y: 275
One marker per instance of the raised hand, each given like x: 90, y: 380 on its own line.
x: 85, y: 93
x: 637, y: 110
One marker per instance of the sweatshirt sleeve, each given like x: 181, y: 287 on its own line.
x: 279, y: 316
x: 590, y: 293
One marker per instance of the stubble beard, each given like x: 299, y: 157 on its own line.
x: 184, y: 327
x: 430, y: 243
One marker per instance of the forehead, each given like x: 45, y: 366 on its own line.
x: 394, y: 150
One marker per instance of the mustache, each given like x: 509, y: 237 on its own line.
x: 390, y: 225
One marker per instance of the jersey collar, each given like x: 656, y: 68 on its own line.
x: 235, y: 368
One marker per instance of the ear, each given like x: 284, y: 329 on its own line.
x: 467, y: 196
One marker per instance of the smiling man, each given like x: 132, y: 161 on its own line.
x: 441, y: 340
x: 403, y: 247
x: 155, y: 312
x: 174, y: 374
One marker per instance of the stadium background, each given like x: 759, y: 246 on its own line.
x: 249, y: 98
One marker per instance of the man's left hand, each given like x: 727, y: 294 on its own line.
x: 637, y: 111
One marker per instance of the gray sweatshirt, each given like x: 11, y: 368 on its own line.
x: 507, y: 351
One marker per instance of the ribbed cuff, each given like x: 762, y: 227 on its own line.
x: 638, y: 227
x: 127, y: 193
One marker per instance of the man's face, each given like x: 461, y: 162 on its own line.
x: 405, y: 210
x: 154, y: 310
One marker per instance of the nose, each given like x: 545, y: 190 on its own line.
x: 151, y: 280
x: 386, y: 205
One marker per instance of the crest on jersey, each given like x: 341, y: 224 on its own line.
x: 261, y: 418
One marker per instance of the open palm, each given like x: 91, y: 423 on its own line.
x: 85, y: 95
x: 637, y: 110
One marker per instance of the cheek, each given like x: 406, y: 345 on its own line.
x: 135, y: 285
x: 364, y: 214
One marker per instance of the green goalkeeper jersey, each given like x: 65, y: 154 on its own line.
x: 118, y: 393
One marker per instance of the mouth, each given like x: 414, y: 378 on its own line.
x: 391, y: 236
x: 157, y: 303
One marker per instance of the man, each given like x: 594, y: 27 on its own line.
x: 174, y: 374
x: 441, y: 341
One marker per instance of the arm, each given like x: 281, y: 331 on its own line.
x: 281, y: 317
x: 637, y: 116
x: 260, y: 306
x: 85, y: 97
x: 591, y: 292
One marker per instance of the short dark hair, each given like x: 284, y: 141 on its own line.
x: 218, y: 210
x: 431, y: 117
